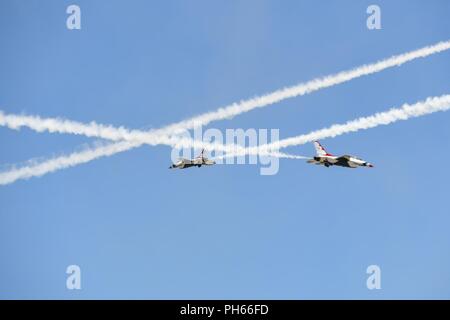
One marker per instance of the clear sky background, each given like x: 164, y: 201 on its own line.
x: 138, y: 230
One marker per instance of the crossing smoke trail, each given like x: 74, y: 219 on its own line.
x: 430, y: 105
x: 265, y: 153
x: 66, y: 161
x: 229, y: 111
x: 303, y: 88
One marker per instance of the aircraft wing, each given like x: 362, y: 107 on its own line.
x: 346, y: 159
x: 314, y: 162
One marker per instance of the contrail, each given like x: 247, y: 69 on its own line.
x: 430, y: 105
x: 108, y: 132
x: 92, y: 130
x: 41, y: 168
x: 303, y: 88
x: 127, y: 139
x: 262, y: 153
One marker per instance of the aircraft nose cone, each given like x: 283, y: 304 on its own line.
x: 370, y: 165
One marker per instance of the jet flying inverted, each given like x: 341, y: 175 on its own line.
x: 199, y: 161
x: 327, y: 159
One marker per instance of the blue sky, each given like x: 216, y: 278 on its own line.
x: 138, y: 230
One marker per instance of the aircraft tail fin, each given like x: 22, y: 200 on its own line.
x: 202, y: 154
x: 320, y: 150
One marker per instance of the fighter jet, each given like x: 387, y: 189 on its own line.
x: 327, y: 159
x: 199, y: 161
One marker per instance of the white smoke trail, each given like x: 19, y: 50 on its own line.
x: 136, y: 137
x: 92, y: 129
x: 108, y: 132
x: 303, y: 88
x: 128, y: 139
x: 430, y: 105
x: 39, y: 169
x: 263, y: 153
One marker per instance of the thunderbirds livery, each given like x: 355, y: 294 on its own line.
x: 327, y: 159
